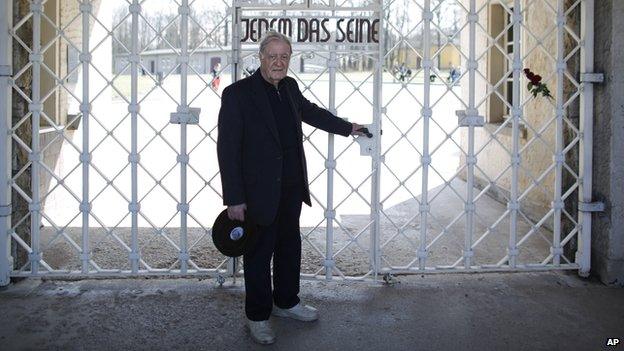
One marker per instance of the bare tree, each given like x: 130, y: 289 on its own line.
x: 122, y: 33
x: 446, y: 15
x: 161, y: 30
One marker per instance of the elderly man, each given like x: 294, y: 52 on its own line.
x: 264, y: 177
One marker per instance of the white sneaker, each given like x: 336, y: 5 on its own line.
x: 261, y: 332
x: 299, y: 312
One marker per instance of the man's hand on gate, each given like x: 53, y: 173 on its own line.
x: 355, y: 129
x: 359, y: 130
x: 237, y: 212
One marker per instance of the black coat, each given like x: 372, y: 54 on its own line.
x: 248, y: 144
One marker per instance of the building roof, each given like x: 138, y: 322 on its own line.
x: 170, y: 51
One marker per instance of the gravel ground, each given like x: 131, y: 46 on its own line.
x: 399, y: 247
x: 521, y: 311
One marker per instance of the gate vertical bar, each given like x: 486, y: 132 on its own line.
x: 513, y: 205
x: 426, y: 115
x: 471, y: 159
x: 35, y: 108
x: 232, y: 265
x: 557, y: 204
x: 6, y: 70
x: 376, y: 160
x: 330, y: 165
x: 85, y: 159
x: 236, y: 44
x: 583, y: 256
x: 133, y: 158
x: 183, y: 206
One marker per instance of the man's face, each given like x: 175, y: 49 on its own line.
x: 274, y: 61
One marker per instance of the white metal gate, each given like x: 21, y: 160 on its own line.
x: 449, y: 185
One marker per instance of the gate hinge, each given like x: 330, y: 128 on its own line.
x: 591, y: 206
x: 6, y: 71
x: 592, y: 78
x: 390, y: 279
x: 5, y: 211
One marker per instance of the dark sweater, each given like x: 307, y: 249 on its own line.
x: 285, y: 121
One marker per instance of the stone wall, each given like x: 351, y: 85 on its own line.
x: 537, y: 157
x: 19, y: 158
x: 608, y: 164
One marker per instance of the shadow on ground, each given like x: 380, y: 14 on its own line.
x: 512, y: 311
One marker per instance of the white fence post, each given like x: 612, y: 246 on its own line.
x: 471, y: 160
x: 583, y: 257
x: 85, y: 156
x: 5, y: 142
x: 556, y: 251
x: 516, y: 113
x: 183, y: 206
x: 35, y: 108
x: 330, y: 165
x: 133, y: 158
x: 426, y: 116
x: 376, y: 206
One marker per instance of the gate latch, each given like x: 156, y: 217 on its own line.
x: 467, y: 118
x: 188, y: 115
x: 367, y: 141
x: 591, y: 206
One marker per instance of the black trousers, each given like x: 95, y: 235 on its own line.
x: 282, y: 241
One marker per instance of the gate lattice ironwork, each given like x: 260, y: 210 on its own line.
x: 471, y: 173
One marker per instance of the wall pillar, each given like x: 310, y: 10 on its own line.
x: 608, y: 171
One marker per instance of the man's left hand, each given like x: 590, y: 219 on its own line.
x: 355, y: 129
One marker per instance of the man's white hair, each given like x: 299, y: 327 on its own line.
x: 272, y: 35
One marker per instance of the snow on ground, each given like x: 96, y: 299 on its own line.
x: 159, y: 143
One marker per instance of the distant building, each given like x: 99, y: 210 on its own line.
x: 162, y: 61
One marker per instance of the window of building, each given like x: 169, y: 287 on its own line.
x: 509, y: 48
x: 500, y: 59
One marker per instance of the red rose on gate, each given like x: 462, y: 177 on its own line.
x: 535, y: 85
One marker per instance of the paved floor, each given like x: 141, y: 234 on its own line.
x: 521, y: 311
